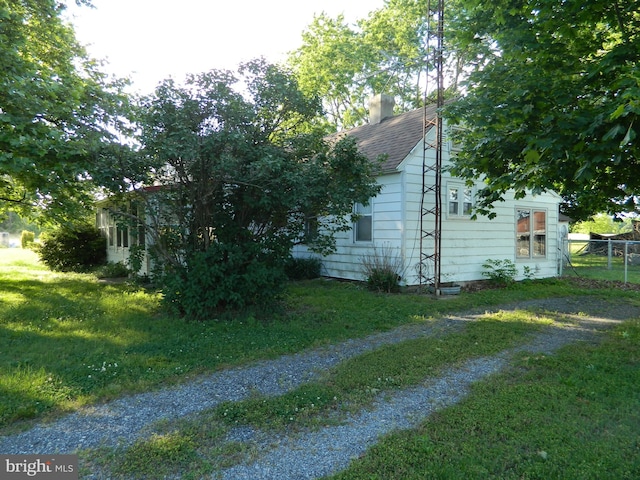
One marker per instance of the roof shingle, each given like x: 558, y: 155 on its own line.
x: 394, y: 136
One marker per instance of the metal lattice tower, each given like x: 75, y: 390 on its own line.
x: 431, y: 202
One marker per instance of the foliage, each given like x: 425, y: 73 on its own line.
x: 225, y: 277
x: 112, y: 270
x: 27, y: 238
x: 552, y: 101
x: 602, y: 223
x: 75, y: 248
x: 14, y: 224
x: 58, y: 112
x: 382, y: 269
x: 237, y: 176
x: 500, y: 272
x: 347, y: 64
x: 303, y: 268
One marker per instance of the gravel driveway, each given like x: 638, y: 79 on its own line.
x: 326, y: 451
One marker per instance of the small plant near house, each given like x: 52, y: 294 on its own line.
x: 302, y: 268
x: 500, y: 272
x: 113, y: 270
x: 382, y: 269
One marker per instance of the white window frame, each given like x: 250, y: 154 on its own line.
x: 463, y: 208
x: 365, y: 220
x: 527, y: 241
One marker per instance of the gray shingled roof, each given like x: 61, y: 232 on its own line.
x: 394, y: 136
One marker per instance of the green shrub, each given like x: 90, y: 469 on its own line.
x: 78, y: 248
x: 113, y: 270
x: 226, y: 277
x: 27, y: 238
x: 382, y: 269
x: 500, y: 272
x: 303, y: 268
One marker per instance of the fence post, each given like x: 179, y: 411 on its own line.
x: 626, y: 250
x: 561, y: 256
x: 609, y: 255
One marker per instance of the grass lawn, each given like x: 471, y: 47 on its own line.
x: 69, y: 340
x: 598, y: 266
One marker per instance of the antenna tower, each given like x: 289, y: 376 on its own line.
x: 431, y: 201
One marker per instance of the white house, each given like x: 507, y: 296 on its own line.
x: 524, y: 231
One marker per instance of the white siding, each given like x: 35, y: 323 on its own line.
x: 466, y: 244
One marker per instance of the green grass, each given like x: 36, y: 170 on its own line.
x: 356, y: 382
x: 68, y: 340
x: 598, y: 267
x: 574, y: 415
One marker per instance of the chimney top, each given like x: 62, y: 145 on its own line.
x: 380, y: 107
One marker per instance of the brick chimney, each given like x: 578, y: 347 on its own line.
x: 380, y: 107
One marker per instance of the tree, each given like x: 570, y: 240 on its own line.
x: 57, y: 111
x: 239, y: 180
x: 346, y: 64
x: 552, y: 101
x: 603, y: 223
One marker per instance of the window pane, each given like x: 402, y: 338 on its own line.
x: 539, y: 233
x: 363, y: 229
x: 523, y: 233
x: 453, y: 201
x: 362, y: 209
x: 468, y: 203
x: 111, y: 234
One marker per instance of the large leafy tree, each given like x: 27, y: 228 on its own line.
x: 388, y: 52
x: 239, y: 180
x: 58, y: 112
x: 346, y: 64
x: 552, y: 101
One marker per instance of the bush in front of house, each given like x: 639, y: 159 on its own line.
x: 302, y: 268
x: 226, y: 277
x: 500, y: 272
x: 76, y: 248
x: 382, y: 269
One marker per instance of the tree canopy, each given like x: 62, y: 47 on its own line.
x: 552, y: 101
x: 346, y: 64
x: 239, y: 180
x: 57, y: 111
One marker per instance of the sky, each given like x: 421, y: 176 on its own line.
x: 151, y: 40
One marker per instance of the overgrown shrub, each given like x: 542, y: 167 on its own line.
x: 224, y: 278
x: 303, y: 268
x: 27, y: 238
x: 500, y: 272
x: 382, y: 269
x: 78, y: 248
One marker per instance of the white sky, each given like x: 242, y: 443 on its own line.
x: 150, y: 40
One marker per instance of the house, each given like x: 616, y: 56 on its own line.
x: 524, y: 231
x: 527, y: 231
x: 122, y: 238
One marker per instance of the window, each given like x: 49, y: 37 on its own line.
x: 111, y: 235
x: 363, y: 226
x: 122, y: 236
x: 310, y: 229
x: 531, y: 233
x: 459, y: 201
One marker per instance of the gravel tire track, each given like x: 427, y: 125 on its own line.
x: 319, y: 453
